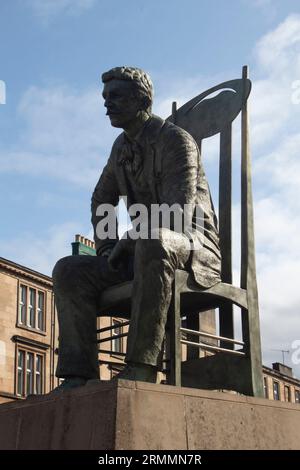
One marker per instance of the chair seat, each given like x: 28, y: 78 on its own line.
x: 217, y: 294
x: 116, y: 300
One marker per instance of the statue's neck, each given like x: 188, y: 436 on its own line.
x: 133, y: 128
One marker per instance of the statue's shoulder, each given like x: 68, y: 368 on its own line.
x: 175, y: 135
x: 163, y: 131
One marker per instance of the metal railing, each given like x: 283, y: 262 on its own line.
x: 210, y: 347
x: 187, y: 331
x: 112, y: 337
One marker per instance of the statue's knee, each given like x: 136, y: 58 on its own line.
x: 162, y: 235
x: 151, y: 248
x: 61, y: 270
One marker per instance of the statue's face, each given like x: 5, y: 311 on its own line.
x: 121, y: 102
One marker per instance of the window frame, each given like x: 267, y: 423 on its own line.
x: 278, y: 390
x: 43, y: 310
x: 22, y: 373
x: 287, y: 393
x: 35, y: 352
x: 22, y: 305
x: 266, y: 387
x: 26, y: 326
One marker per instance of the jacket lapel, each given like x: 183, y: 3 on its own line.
x: 148, y: 140
x: 153, y: 155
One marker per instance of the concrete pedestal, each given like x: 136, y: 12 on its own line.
x: 136, y: 415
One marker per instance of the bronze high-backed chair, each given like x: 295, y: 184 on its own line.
x: 229, y: 368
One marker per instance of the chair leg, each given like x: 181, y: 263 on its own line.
x: 160, y: 359
x: 193, y: 323
x: 251, y: 337
x: 174, y: 375
x: 226, y: 325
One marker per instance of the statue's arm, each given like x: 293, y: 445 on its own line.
x: 105, y: 192
x: 180, y: 167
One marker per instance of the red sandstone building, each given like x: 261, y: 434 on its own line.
x: 28, y: 332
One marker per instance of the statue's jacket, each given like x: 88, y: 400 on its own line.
x: 163, y: 166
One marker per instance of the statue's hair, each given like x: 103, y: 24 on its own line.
x: 140, y: 78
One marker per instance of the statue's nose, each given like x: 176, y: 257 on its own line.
x: 107, y: 100
x: 108, y: 103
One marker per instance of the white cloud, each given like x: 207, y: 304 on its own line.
x: 276, y: 52
x: 2, y: 92
x: 274, y: 112
x: 42, y: 252
x: 278, y: 270
x: 275, y: 143
x: 47, y: 9
x: 280, y: 169
x: 270, y: 111
x: 276, y: 139
x: 262, y: 3
x: 66, y: 136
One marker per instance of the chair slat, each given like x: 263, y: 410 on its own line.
x: 225, y: 201
x: 225, y: 227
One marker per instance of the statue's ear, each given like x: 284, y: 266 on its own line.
x: 146, y: 102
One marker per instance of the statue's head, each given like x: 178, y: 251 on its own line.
x: 128, y: 94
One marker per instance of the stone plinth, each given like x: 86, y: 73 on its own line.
x: 136, y: 415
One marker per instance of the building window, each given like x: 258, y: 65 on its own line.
x: 60, y: 380
x: 22, y: 305
x: 20, y: 374
x: 30, y: 372
x: 39, y: 373
x: 117, y: 344
x: 31, y: 308
x: 266, y: 391
x: 113, y: 373
x: 276, y: 392
x: 287, y: 393
x: 40, y: 311
x: 297, y: 396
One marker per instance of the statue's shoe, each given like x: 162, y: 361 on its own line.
x: 140, y: 372
x: 68, y: 384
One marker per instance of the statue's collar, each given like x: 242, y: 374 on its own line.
x: 152, y: 129
x: 149, y: 131
x: 131, y: 150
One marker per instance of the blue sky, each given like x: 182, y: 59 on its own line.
x: 55, y: 137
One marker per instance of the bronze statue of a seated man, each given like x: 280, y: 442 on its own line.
x: 152, y: 162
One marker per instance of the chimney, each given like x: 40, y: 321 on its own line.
x: 83, y: 246
x: 283, y: 369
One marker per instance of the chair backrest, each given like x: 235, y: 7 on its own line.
x: 204, y: 117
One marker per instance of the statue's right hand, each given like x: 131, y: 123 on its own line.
x: 116, y: 257
x: 106, y: 252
